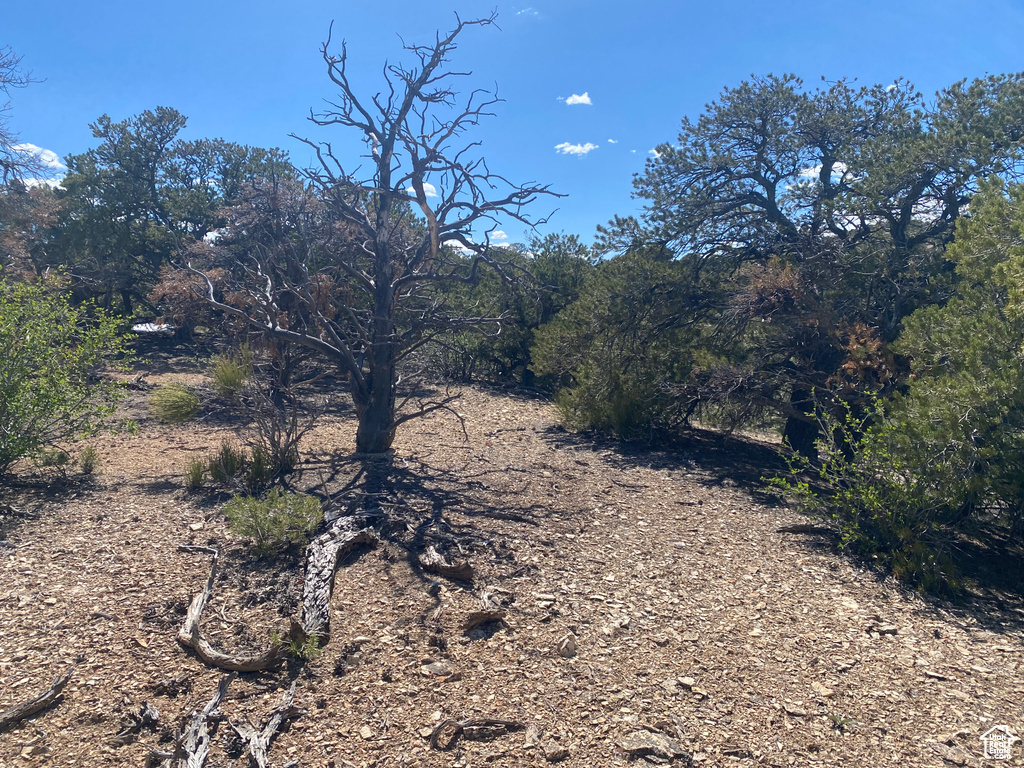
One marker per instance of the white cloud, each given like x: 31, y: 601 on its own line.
x: 579, y: 98
x: 613, y: 141
x: 47, y: 157
x: 654, y: 152
x: 891, y: 87
x: 499, y: 234
x: 575, y: 149
x: 428, y: 189
x: 838, y: 169
x: 527, y: 12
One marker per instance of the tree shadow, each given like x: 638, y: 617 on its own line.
x: 712, y: 459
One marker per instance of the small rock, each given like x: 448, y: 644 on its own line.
x: 554, y: 752
x: 687, y: 683
x: 425, y: 732
x: 532, y: 736
x: 196, y: 527
x: 366, y: 732
x: 567, y: 646
x: 436, y: 669
x: 640, y: 743
x: 821, y: 690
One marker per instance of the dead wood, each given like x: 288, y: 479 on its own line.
x: 193, y: 745
x: 434, y: 561
x: 474, y: 728
x: 476, y: 618
x: 321, y: 561
x: 28, y: 708
x: 148, y: 717
x: 258, y: 741
x: 191, y: 636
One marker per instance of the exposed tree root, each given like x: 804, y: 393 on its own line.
x: 321, y: 561
x: 191, y: 636
x: 19, y: 712
x: 432, y: 560
x: 258, y: 741
x: 193, y: 745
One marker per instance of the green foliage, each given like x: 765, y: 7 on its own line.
x: 618, y: 350
x: 944, y: 457
x: 539, y: 281
x: 174, y: 403
x: 88, y: 458
x: 50, y: 387
x: 808, y: 224
x: 279, y: 519
x: 195, y: 474
x: 876, y: 500
x: 231, y: 371
x: 52, y: 457
x: 227, y: 464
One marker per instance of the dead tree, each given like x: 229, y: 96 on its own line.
x: 353, y: 264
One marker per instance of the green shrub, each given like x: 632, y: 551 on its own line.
x: 280, y: 518
x: 195, y: 473
x: 49, y: 387
x: 88, y: 459
x: 260, y: 472
x: 231, y: 371
x: 52, y: 457
x: 227, y: 464
x: 174, y: 403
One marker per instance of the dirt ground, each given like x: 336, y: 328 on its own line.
x: 691, y: 615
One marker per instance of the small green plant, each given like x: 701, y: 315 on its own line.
x: 52, y: 457
x: 231, y: 371
x: 840, y: 722
x: 227, y: 464
x: 280, y: 518
x: 195, y: 474
x: 88, y: 458
x: 174, y: 403
x: 260, y: 473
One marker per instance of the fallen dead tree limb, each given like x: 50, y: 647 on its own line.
x: 191, y: 636
x: 475, y: 728
x: 193, y: 745
x: 258, y: 741
x: 321, y: 561
x: 19, y: 712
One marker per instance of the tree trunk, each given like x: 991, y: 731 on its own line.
x: 376, y: 429
x: 800, y: 434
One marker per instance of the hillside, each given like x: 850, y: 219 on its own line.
x: 694, y: 617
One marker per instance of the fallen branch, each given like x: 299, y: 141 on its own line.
x: 321, y: 561
x: 191, y: 636
x: 474, y: 728
x: 193, y: 745
x: 19, y: 712
x: 258, y: 741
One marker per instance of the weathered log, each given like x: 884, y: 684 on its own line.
x: 432, y: 560
x: 19, y: 712
x: 258, y: 741
x: 191, y: 636
x: 321, y: 561
x: 192, y: 747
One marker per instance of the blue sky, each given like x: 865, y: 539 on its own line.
x: 250, y: 71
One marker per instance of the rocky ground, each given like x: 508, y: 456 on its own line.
x: 654, y: 611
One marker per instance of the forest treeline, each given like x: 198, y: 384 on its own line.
x: 843, y: 264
